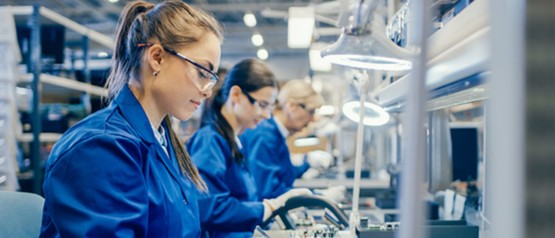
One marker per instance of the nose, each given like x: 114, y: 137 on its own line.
x: 266, y: 114
x: 311, y: 117
x: 206, y: 93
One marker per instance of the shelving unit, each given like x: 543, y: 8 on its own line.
x: 44, y: 137
x: 8, y: 122
x: 457, y: 69
x: 59, y: 83
x: 458, y: 51
x: 41, y: 83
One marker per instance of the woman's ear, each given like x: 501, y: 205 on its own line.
x: 154, y: 57
x: 235, y: 94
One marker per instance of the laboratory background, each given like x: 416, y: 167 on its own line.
x: 437, y: 118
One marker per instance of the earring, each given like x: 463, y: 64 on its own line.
x: 155, y: 73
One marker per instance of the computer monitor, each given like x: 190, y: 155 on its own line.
x: 465, y: 153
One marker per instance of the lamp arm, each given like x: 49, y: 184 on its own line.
x: 362, y: 20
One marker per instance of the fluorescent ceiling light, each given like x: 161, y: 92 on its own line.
x: 249, y: 19
x: 317, y: 63
x: 257, y: 39
x: 374, y: 115
x: 300, y: 27
x: 262, y: 54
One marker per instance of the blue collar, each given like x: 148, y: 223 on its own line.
x: 134, y: 113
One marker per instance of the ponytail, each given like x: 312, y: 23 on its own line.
x: 212, y: 114
x: 183, y: 158
x: 250, y: 75
x: 125, y: 54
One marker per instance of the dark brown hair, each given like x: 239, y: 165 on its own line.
x: 173, y: 24
x: 250, y: 75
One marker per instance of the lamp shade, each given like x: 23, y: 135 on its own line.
x: 317, y: 63
x: 368, y: 48
x: 374, y: 115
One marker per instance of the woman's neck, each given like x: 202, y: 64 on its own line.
x: 152, y: 110
x: 227, y: 113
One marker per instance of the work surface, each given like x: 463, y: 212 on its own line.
x: 298, y: 233
x: 349, y: 183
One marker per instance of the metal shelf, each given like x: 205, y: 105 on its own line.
x: 68, y: 23
x: 458, y: 50
x: 56, y: 85
x: 44, y: 137
x: 67, y: 84
x: 325, y: 183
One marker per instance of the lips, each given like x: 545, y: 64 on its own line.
x: 196, y: 103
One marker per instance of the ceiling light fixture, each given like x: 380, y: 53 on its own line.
x: 249, y: 19
x: 262, y: 54
x: 257, y: 39
x: 300, y: 27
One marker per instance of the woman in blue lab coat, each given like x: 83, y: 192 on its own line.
x: 123, y: 172
x: 266, y: 146
x: 231, y: 208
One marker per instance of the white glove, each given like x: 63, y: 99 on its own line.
x: 319, y: 159
x: 297, y: 159
x: 335, y: 193
x: 270, y: 205
x: 311, y: 173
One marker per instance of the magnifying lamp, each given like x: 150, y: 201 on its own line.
x: 367, y: 49
x: 374, y: 115
x: 364, y: 45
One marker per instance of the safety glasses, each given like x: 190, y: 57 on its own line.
x: 206, y: 80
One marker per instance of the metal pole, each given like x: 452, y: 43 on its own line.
x: 363, y: 90
x: 85, y: 96
x: 35, y: 48
x: 339, y: 147
x: 506, y: 120
x: 413, y: 156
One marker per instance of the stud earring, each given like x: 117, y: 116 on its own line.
x: 155, y: 73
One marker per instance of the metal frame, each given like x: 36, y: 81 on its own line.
x: 414, y: 155
x: 35, y: 12
x: 505, y: 128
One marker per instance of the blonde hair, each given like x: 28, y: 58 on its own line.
x: 173, y: 24
x: 299, y: 90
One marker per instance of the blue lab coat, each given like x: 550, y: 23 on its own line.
x: 270, y: 160
x: 109, y: 177
x: 231, y: 207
